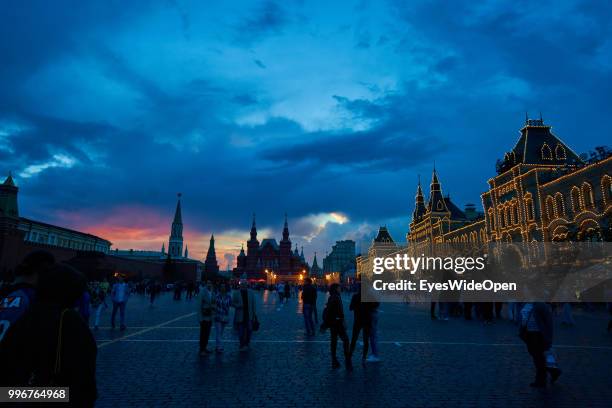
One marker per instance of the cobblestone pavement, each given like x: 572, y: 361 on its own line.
x: 155, y: 362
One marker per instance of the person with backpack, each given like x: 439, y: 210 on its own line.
x: 16, y: 298
x: 333, y: 319
x: 536, y: 330
x: 51, y: 346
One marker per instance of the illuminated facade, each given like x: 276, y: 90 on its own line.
x: 543, y: 192
x: 270, y: 258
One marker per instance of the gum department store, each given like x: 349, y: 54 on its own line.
x: 543, y: 192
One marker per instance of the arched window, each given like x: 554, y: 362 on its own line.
x: 491, y: 219
x: 550, y: 208
x: 507, y: 217
x: 515, y: 211
x: 483, y: 236
x: 500, y: 216
x: 606, y: 189
x: 587, y: 195
x: 559, y: 205
x: 576, y: 200
x: 529, y: 210
x: 560, y: 152
x: 546, y: 152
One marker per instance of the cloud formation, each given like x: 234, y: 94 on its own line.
x: 107, y: 110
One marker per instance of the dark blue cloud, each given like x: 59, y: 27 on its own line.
x: 106, y: 104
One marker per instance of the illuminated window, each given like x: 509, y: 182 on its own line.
x: 606, y: 189
x: 559, y: 205
x: 550, y: 208
x: 576, y: 200
x: 491, y: 218
x: 587, y: 195
x: 515, y: 211
x: 560, y: 152
x: 546, y: 152
x: 529, y: 207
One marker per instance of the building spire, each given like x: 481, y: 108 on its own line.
x: 9, y: 180
x: 436, y: 199
x: 175, y: 245
x: 253, y: 229
x: 178, y: 216
x: 419, y: 203
x: 286, y: 230
x: 211, y: 267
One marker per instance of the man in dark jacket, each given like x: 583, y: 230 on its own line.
x: 334, y: 320
x: 537, y: 326
x: 309, y: 304
x: 361, y: 321
x: 51, y: 345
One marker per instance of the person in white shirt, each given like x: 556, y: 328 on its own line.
x: 119, y: 295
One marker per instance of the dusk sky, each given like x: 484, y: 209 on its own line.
x: 328, y: 111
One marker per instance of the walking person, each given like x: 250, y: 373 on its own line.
x: 333, y: 318
x: 223, y: 302
x: 536, y: 330
x: 205, y: 313
x: 361, y: 322
x: 153, y: 291
x: 243, y: 301
x: 83, y: 305
x: 119, y: 296
x: 373, y: 357
x: 309, y: 302
x: 97, y: 303
x: 280, y: 288
x: 287, y: 291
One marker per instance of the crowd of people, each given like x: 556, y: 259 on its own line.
x: 45, y: 336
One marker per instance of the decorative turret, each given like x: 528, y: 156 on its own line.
x: 211, y: 267
x: 383, y: 236
x: 252, y: 248
x: 295, y: 252
x: 253, y: 229
x: 163, y: 250
x: 286, y: 231
x: 175, y: 247
x: 537, y: 145
x: 186, y: 252
x: 241, y: 261
x: 315, y: 270
x: 285, y: 251
x: 419, y: 205
x: 436, y: 199
x: 8, y: 198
